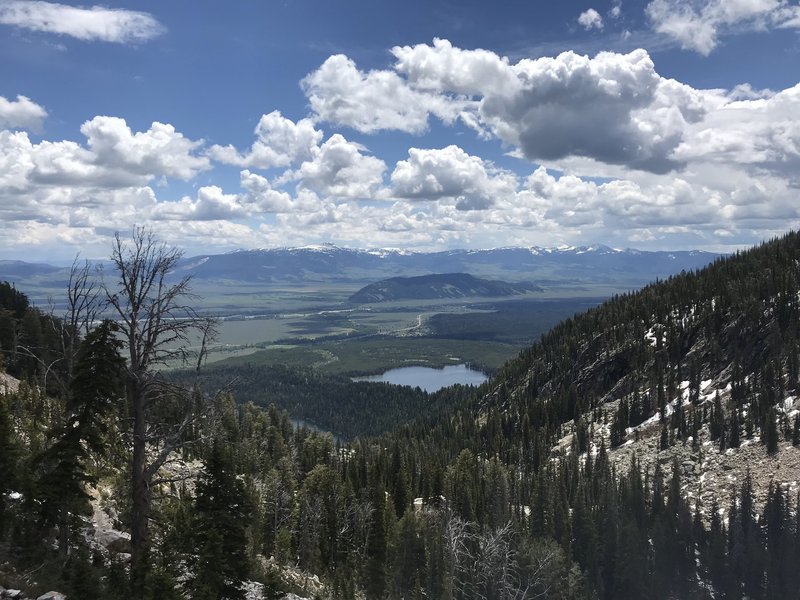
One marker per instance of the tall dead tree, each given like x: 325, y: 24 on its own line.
x: 157, y: 323
x: 56, y: 359
x: 81, y: 312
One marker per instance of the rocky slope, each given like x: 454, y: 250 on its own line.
x: 700, y: 368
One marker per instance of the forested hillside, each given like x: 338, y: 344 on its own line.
x: 29, y: 338
x: 336, y: 403
x: 572, y: 474
x: 445, y: 285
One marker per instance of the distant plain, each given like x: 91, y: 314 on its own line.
x: 293, y: 307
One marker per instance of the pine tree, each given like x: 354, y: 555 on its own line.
x: 779, y: 551
x: 400, y: 484
x: 274, y: 588
x: 751, y: 565
x: 82, y: 579
x: 221, y: 516
x: 733, y: 428
x: 771, y: 432
x: 496, y: 496
x: 375, y: 568
x: 716, y: 549
x: 716, y: 421
x: 9, y: 455
x: 64, y: 467
x: 584, y: 547
x: 663, y: 443
x: 410, y: 558
x: 462, y: 485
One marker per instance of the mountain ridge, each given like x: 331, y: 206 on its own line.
x: 598, y: 262
x: 703, y: 360
x: 629, y: 267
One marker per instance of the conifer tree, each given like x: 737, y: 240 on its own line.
x: 733, y: 429
x: 95, y: 388
x: 462, y: 485
x: 221, y: 517
x: 716, y: 560
x: 771, y: 432
x: 751, y: 558
x: 375, y: 568
x: 716, y: 420
x: 584, y: 545
x: 780, y: 562
x: 400, y: 484
x: 9, y: 455
x: 409, y: 563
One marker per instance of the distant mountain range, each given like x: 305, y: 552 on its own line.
x: 320, y: 264
x: 446, y: 285
x: 590, y: 264
x: 11, y: 270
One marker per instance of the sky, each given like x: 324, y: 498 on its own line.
x: 422, y: 125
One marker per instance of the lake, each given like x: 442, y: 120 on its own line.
x: 429, y: 379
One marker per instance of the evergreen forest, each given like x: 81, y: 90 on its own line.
x: 508, y: 491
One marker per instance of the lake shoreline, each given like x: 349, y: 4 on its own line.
x: 429, y: 379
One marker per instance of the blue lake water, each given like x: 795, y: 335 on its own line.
x: 429, y: 379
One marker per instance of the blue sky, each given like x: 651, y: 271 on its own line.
x: 425, y: 125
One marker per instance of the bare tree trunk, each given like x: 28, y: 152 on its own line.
x: 156, y: 322
x: 140, y: 494
x: 63, y: 533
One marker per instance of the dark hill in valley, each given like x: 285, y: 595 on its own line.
x: 446, y: 285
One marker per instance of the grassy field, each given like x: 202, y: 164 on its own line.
x: 375, y: 355
x: 357, y: 340
x: 249, y: 299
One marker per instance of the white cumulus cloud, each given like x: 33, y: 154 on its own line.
x: 263, y: 198
x: 622, y: 155
x: 433, y: 174
x: 340, y: 93
x: 613, y: 108
x: 113, y: 157
x: 159, y: 151
x: 444, y: 68
x: 340, y: 168
x: 212, y: 204
x: 21, y: 113
x: 590, y: 19
x: 761, y: 133
x: 280, y: 142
